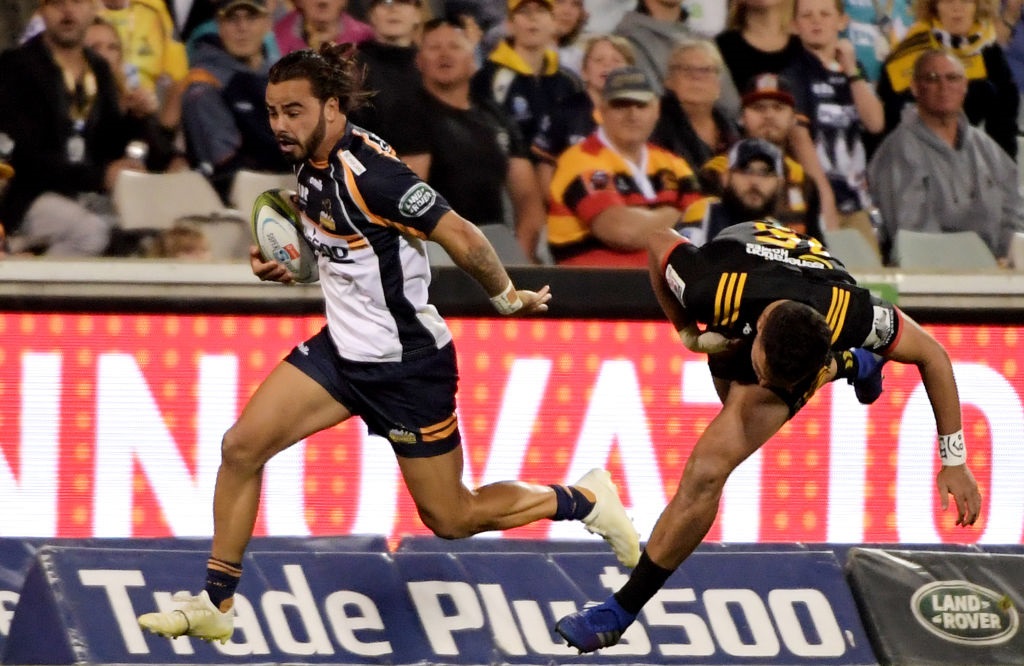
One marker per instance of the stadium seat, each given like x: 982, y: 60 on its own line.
x: 501, y: 237
x: 947, y: 252
x: 157, y: 200
x: 850, y: 247
x: 505, y: 244
x: 1017, y: 251
x: 248, y: 185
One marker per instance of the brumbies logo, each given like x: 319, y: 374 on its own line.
x: 965, y: 613
x: 417, y: 200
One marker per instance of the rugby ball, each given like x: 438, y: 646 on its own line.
x: 277, y: 230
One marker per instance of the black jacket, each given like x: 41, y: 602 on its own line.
x: 35, y: 113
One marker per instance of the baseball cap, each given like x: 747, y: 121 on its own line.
x: 513, y: 5
x: 746, y: 151
x: 224, y: 6
x: 768, y: 86
x: 628, y: 83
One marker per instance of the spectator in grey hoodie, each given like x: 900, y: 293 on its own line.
x: 937, y: 173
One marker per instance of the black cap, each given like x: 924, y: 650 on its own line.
x: 768, y: 86
x: 225, y: 6
x: 746, y: 151
x: 628, y: 83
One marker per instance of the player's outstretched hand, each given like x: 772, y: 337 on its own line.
x: 957, y: 480
x: 268, y: 270
x: 533, y: 301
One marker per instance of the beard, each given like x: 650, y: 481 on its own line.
x: 745, y: 212
x: 309, y: 146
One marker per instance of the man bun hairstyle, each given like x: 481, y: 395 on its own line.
x: 797, y: 342
x: 332, y: 71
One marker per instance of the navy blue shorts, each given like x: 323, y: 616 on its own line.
x: 410, y: 403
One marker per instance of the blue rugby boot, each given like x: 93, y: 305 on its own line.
x: 868, y: 382
x: 595, y: 627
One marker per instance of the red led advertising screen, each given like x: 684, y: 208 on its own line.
x: 110, y: 425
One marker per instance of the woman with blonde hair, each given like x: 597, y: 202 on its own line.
x: 965, y: 29
x: 690, y: 124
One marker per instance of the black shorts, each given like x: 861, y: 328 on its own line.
x: 410, y: 403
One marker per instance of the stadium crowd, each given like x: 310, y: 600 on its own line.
x: 579, y: 126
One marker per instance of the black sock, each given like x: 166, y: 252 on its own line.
x: 846, y: 364
x: 572, y: 504
x: 221, y: 580
x: 645, y: 581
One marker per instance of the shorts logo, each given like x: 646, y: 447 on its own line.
x: 965, y: 613
x: 303, y: 349
x: 399, y: 436
x: 417, y: 200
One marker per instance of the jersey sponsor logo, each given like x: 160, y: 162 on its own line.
x: 317, y: 185
x: 336, y: 254
x: 965, y: 613
x: 417, y: 200
x: 781, y: 254
x: 599, y: 180
x: 353, y: 163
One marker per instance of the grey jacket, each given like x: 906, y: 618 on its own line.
x: 921, y: 183
x: 654, y: 40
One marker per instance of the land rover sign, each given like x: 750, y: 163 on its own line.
x: 965, y: 613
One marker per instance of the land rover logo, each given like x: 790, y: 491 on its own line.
x: 965, y: 613
x: 416, y: 200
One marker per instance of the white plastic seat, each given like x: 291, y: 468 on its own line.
x: 156, y: 200
x: 947, y: 252
x: 248, y: 185
x: 850, y: 247
x: 505, y: 244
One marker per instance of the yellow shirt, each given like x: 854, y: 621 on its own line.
x: 147, y: 35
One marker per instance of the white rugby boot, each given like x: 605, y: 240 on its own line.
x: 608, y: 518
x: 196, y: 617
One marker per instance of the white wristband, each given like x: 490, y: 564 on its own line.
x: 507, y: 301
x: 952, y: 449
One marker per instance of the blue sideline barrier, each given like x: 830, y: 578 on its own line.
x: 349, y: 600
x: 439, y: 608
x: 18, y: 555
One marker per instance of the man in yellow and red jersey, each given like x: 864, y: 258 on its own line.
x: 615, y: 187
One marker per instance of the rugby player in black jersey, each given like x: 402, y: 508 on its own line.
x: 778, y: 317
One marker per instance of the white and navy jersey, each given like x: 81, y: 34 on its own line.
x: 366, y: 216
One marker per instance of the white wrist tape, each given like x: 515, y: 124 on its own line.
x: 953, y: 449
x: 507, y: 301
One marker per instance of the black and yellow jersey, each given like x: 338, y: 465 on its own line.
x: 727, y: 284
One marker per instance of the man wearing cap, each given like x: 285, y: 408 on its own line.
x: 523, y: 74
x: 223, y: 108
x: 615, y: 187
x: 769, y: 113
x: 754, y: 184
